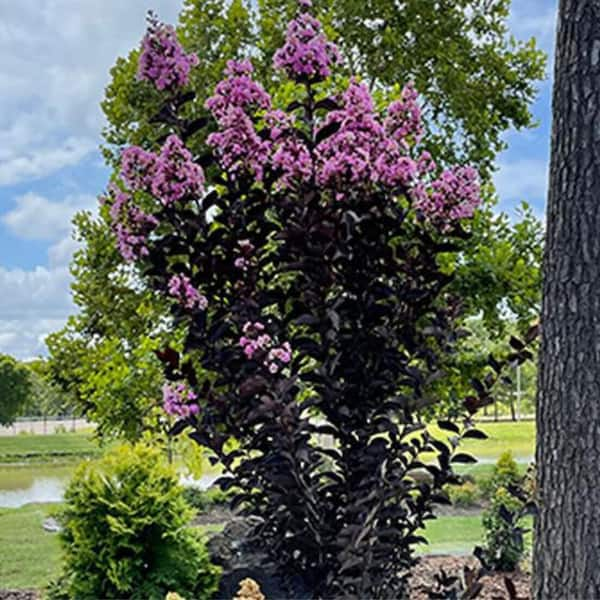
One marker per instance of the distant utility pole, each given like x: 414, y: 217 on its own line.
x: 518, y: 392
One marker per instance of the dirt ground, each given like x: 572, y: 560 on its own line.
x: 493, y: 585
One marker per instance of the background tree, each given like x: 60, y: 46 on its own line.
x: 105, y: 352
x: 15, y: 386
x: 46, y: 398
x: 567, y: 533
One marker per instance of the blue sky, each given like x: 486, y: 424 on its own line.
x: 55, y: 57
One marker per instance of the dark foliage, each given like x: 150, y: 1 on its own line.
x: 328, y: 445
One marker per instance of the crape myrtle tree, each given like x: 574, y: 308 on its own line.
x: 475, y: 81
x: 301, y: 260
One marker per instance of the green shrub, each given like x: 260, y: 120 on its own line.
x: 505, y: 473
x: 504, y: 544
x: 464, y: 495
x: 203, y: 500
x: 126, y: 532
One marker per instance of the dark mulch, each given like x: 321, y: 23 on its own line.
x: 19, y: 595
x: 493, y: 585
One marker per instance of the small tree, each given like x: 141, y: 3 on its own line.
x: 302, y: 260
x: 15, y: 386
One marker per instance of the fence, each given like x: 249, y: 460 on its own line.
x: 39, y: 425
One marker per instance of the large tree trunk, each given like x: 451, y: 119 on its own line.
x: 567, y: 532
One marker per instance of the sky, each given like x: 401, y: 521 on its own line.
x: 55, y: 57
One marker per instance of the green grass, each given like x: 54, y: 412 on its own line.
x: 29, y: 556
x: 519, y: 437
x: 54, y: 446
x: 480, y: 471
x: 457, y: 535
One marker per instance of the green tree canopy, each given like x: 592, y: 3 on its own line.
x: 15, y: 386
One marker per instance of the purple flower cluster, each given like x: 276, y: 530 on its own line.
x: 163, y: 61
x: 307, y: 55
x: 181, y: 288
x: 130, y: 224
x: 454, y: 195
x: 348, y: 156
x: 238, y: 146
x: 176, y: 176
x: 238, y: 90
x: 179, y: 401
x: 237, y: 143
x: 403, y: 122
x: 259, y: 345
x: 289, y: 154
x: 170, y: 176
x: 138, y: 168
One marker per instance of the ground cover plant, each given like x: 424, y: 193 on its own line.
x: 303, y: 259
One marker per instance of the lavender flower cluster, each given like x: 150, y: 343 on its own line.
x: 259, y: 345
x: 179, y: 401
x: 307, y: 55
x: 181, y: 288
x: 163, y: 62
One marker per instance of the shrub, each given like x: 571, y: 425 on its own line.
x: 125, y: 532
x: 464, y: 495
x: 504, y: 545
x: 305, y: 252
x: 506, y: 471
x: 203, y: 500
x: 504, y: 474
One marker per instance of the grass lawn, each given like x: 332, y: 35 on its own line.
x: 457, y: 535
x: 35, y: 448
x: 519, y: 437
x: 29, y: 556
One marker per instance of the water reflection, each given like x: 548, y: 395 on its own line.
x: 24, y: 484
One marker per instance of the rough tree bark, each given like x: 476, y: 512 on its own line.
x: 567, y: 532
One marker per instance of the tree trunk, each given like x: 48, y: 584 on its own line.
x: 567, y: 532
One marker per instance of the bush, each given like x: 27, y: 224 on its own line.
x: 125, y: 532
x: 504, y: 474
x: 203, y: 500
x: 506, y: 471
x: 504, y: 544
x: 464, y: 495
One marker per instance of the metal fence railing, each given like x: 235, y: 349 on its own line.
x: 40, y: 425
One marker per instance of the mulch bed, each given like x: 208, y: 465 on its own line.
x: 493, y: 585
x: 19, y: 595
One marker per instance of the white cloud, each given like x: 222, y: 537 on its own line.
x: 60, y: 253
x: 55, y: 57
x: 32, y: 164
x: 34, y: 217
x: 32, y: 305
x: 525, y: 179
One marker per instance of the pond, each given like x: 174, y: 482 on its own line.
x: 23, y: 484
